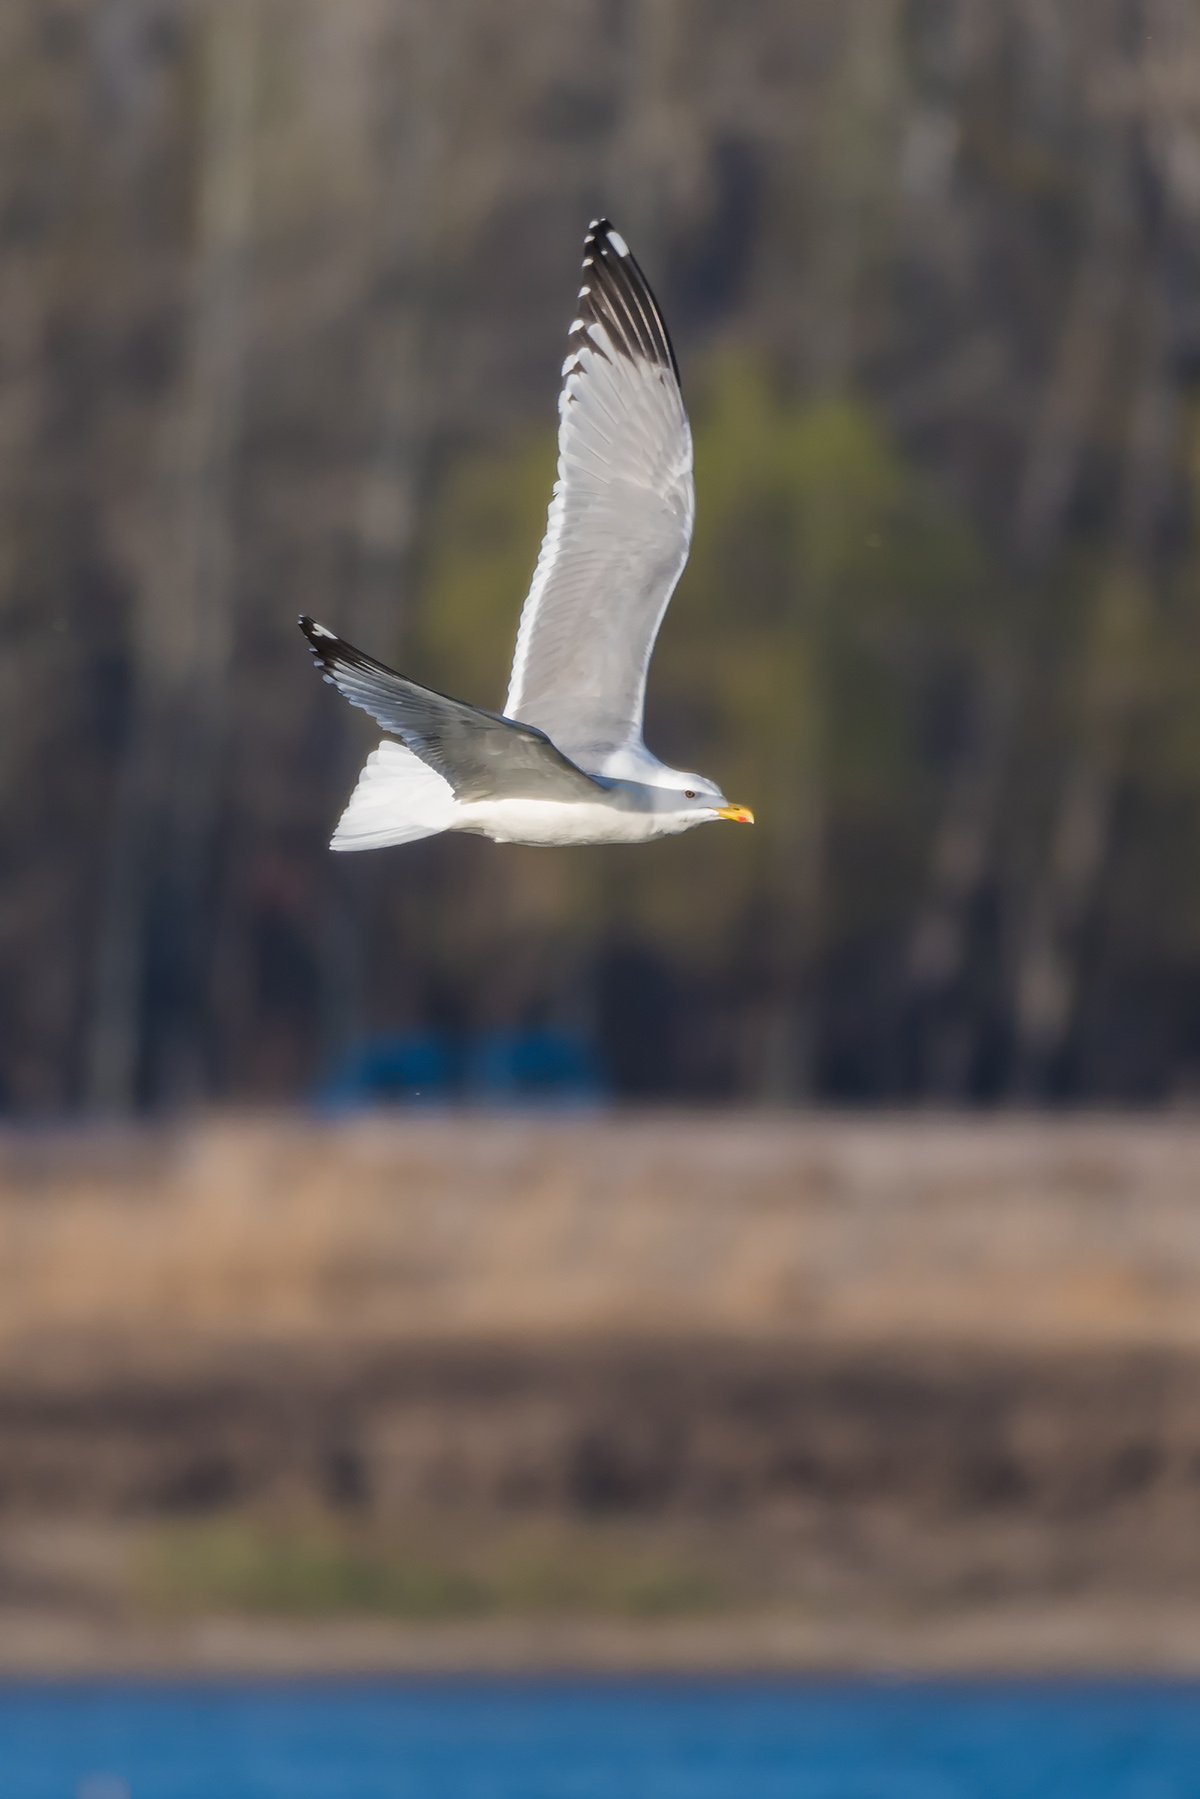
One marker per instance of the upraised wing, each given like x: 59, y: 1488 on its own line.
x: 620, y: 521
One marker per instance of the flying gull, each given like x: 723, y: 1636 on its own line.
x: 565, y: 763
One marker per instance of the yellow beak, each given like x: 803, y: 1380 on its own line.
x: 738, y: 815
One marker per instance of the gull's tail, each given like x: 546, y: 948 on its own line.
x: 398, y: 799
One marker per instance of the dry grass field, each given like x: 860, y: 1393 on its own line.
x: 1019, y: 1232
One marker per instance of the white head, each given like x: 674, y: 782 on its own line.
x: 689, y: 800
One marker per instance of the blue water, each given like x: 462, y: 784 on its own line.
x: 598, y: 1740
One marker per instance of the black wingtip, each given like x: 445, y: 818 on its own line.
x: 617, y: 294
x: 327, y: 647
x: 604, y: 229
x: 316, y: 633
x: 333, y: 654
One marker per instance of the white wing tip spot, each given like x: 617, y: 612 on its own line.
x: 618, y: 242
x: 575, y: 325
x: 320, y: 631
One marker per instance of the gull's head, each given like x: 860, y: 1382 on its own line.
x: 699, y: 801
x: 676, y: 800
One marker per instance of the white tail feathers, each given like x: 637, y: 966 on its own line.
x: 398, y: 799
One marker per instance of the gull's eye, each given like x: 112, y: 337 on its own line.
x: 688, y: 794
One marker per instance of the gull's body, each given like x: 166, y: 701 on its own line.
x: 565, y: 763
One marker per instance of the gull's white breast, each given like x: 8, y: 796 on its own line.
x: 558, y: 822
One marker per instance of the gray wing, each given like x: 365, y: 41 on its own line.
x: 620, y: 520
x: 481, y: 755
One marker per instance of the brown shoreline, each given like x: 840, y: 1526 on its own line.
x: 921, y: 1396
x: 1125, y: 1641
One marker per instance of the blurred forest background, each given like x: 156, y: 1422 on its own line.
x: 285, y: 295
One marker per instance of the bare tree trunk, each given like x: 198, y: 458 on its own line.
x: 648, y: 143
x: 796, y: 897
x: 963, y: 844
x: 156, y: 907
x: 939, y: 946
x: 399, y: 386
x: 397, y: 375
x: 863, y: 106
x: 1049, y: 969
x: 862, y: 112
x: 1048, y: 972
